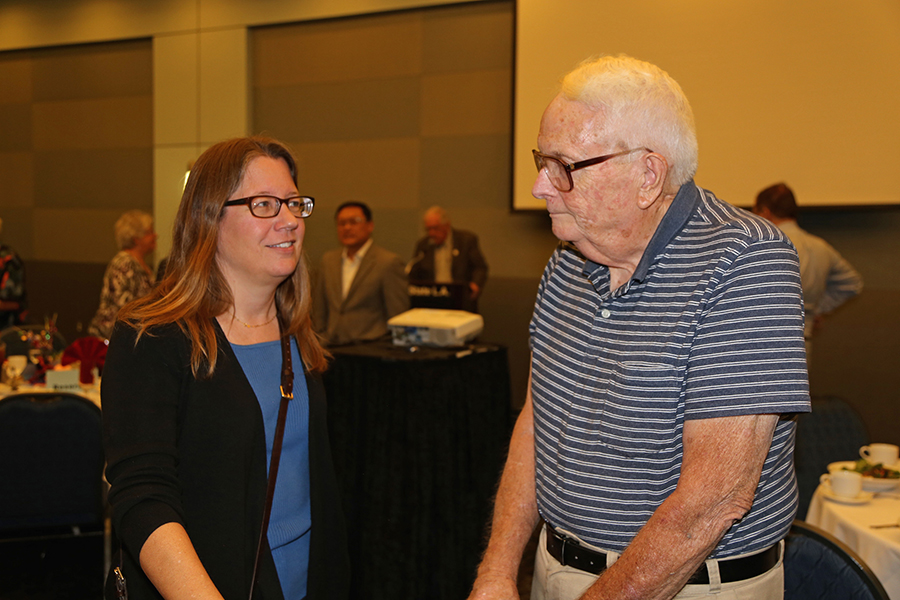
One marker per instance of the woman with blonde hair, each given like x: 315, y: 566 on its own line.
x: 128, y: 276
x: 192, y: 386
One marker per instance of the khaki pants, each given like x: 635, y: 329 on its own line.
x: 553, y: 581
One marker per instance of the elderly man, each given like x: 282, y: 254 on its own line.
x: 360, y: 286
x: 667, y: 356
x: 448, y: 255
x: 828, y: 280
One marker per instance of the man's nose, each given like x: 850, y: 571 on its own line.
x: 542, y: 187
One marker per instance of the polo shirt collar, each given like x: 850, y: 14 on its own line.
x: 679, y: 213
x: 683, y: 206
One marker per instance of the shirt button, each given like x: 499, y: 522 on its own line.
x: 605, y: 313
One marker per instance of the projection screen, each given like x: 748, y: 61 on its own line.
x: 805, y: 92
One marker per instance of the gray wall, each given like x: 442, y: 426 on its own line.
x: 856, y: 353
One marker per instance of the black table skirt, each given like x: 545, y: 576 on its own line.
x: 419, y: 441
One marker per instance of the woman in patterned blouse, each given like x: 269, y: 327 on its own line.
x: 127, y: 276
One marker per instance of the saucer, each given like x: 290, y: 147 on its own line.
x: 862, y: 498
x: 870, y: 484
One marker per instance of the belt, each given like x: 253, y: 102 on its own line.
x: 570, y: 553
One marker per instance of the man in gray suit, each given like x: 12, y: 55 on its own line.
x: 360, y: 286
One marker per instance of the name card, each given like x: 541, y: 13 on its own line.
x: 63, y: 379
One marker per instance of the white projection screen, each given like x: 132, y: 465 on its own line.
x: 805, y: 92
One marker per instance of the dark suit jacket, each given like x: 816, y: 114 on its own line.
x: 378, y: 292
x: 468, y: 262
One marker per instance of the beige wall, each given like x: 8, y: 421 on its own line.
x: 200, y: 91
x: 76, y: 138
x: 401, y: 111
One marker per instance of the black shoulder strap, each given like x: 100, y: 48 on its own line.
x: 287, y: 394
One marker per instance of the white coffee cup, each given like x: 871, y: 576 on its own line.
x: 847, y: 484
x: 886, y: 454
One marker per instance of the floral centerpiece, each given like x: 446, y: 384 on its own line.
x: 41, y: 351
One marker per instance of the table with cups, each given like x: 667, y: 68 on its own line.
x: 864, y: 512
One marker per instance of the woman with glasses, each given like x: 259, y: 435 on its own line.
x: 193, y: 380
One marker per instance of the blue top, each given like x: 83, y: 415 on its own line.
x: 290, y: 520
x: 710, y: 325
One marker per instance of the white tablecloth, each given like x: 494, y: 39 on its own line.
x: 879, y: 548
x: 92, y: 393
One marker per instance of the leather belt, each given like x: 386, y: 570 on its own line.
x: 570, y: 553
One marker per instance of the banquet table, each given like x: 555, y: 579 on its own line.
x: 852, y: 524
x: 90, y: 392
x: 419, y: 439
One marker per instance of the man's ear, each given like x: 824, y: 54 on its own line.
x: 653, y: 179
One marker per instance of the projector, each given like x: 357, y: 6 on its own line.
x: 434, y: 327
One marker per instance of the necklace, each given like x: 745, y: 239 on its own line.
x: 249, y: 326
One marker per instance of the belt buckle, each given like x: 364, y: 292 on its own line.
x: 567, y: 542
x: 562, y: 552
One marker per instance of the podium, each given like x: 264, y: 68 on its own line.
x: 431, y: 294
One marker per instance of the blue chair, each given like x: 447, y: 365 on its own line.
x: 817, y: 566
x: 52, y: 492
x: 833, y: 431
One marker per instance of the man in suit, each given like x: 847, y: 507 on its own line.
x: 448, y: 255
x: 360, y: 286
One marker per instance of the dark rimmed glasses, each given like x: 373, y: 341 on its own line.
x: 560, y: 173
x: 266, y: 207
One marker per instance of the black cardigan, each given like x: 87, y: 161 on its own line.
x: 192, y: 451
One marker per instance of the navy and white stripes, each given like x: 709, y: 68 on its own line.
x: 710, y: 325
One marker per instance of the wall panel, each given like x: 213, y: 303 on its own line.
x: 399, y: 110
x: 76, y: 139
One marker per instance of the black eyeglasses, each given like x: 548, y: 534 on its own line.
x: 266, y: 207
x: 560, y: 173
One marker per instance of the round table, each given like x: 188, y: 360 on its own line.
x: 90, y: 392
x: 852, y: 524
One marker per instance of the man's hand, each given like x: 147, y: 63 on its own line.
x: 473, y: 287
x: 493, y: 586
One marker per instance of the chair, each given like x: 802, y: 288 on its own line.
x: 51, y: 477
x: 817, y: 566
x: 833, y: 431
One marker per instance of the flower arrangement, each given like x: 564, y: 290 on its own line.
x: 42, y: 352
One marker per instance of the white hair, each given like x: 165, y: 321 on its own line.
x: 643, y: 107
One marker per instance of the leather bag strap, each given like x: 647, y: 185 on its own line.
x: 287, y: 394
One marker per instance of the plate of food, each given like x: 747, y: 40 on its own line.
x: 876, y: 478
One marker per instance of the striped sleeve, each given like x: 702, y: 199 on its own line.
x: 748, y: 353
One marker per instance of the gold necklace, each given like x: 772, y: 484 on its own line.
x: 253, y: 326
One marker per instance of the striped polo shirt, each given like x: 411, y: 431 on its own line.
x: 710, y: 325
